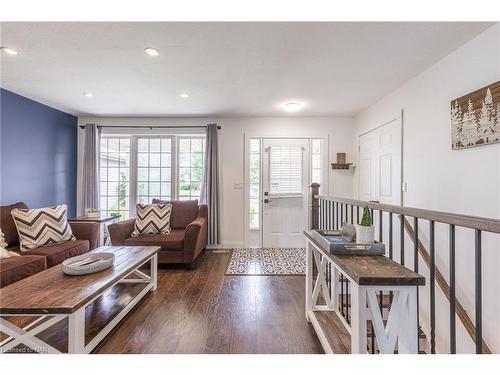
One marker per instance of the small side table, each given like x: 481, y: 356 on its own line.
x: 103, y: 220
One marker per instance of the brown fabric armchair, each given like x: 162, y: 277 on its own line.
x: 183, y: 244
x: 36, y: 260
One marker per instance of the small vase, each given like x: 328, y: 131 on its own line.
x: 364, y: 234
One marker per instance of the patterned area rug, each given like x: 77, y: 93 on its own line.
x: 275, y: 261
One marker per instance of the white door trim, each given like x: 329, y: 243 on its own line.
x: 325, y: 139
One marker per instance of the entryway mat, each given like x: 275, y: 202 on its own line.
x: 267, y: 261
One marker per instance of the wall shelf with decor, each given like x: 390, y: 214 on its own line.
x: 341, y: 162
x: 342, y: 165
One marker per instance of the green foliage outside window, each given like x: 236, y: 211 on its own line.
x: 122, y: 198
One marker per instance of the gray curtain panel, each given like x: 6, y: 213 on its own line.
x: 210, y: 193
x: 90, y: 188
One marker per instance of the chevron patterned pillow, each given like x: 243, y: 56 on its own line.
x: 152, y: 219
x: 42, y: 226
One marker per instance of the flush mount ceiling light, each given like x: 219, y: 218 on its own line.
x: 292, y: 107
x: 9, y: 51
x: 150, y: 51
x: 184, y: 95
x: 88, y: 94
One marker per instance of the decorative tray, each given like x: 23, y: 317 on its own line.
x: 332, y: 242
x: 88, y: 263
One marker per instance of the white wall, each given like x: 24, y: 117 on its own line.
x: 464, y: 181
x: 338, y: 131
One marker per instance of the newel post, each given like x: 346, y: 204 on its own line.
x: 314, y: 205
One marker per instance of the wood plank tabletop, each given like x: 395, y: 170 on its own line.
x: 53, y: 292
x: 372, y: 269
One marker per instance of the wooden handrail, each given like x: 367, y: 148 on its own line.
x: 472, y: 222
x: 460, y: 311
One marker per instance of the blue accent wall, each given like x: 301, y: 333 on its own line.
x: 38, y: 148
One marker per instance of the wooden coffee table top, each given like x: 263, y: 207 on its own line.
x: 53, y: 292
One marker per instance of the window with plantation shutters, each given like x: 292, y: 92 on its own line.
x: 285, y: 170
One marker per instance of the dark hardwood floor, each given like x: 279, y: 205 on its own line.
x: 204, y: 311
x: 201, y: 311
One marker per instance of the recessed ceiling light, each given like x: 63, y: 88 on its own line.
x: 88, y: 94
x: 150, y: 51
x: 9, y: 51
x: 292, y: 107
x: 184, y: 95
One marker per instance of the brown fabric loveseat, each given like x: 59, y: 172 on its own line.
x: 33, y: 261
x: 183, y: 244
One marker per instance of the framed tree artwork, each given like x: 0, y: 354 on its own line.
x: 475, y: 118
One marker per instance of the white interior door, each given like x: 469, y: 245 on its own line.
x: 380, y: 164
x: 284, y: 180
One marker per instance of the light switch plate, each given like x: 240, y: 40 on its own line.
x: 404, y: 187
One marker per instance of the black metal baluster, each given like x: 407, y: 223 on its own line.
x: 390, y: 250
x: 320, y: 224
x: 346, y: 303
x: 380, y: 303
x: 402, y: 240
x: 327, y: 219
x: 478, y: 298
x: 390, y: 236
x: 348, y: 297
x: 337, y: 214
x: 320, y: 212
x: 341, y: 294
x: 371, y: 216
x: 331, y: 215
x: 373, y: 338
x: 432, y: 287
x: 341, y: 215
x: 328, y: 273
x: 357, y: 214
x: 415, y: 268
x: 326, y: 215
x: 415, y: 244
x: 380, y: 218
x: 453, y: 336
x: 352, y: 214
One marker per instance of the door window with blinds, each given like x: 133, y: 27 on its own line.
x: 286, y: 171
x: 135, y: 169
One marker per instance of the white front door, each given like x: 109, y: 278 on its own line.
x: 285, y: 182
x: 380, y: 164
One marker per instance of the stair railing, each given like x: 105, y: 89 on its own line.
x: 332, y: 212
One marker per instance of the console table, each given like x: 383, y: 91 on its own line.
x: 103, y: 220
x: 369, y: 277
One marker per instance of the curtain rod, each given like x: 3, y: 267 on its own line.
x: 151, y: 127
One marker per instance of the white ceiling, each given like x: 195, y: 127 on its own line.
x: 229, y: 69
